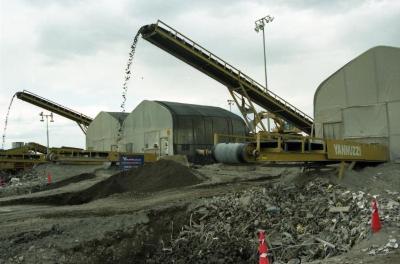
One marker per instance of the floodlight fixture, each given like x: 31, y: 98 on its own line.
x: 42, y: 115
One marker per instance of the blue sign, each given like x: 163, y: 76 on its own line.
x: 127, y: 162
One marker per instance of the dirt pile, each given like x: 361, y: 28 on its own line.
x: 309, y: 222
x: 374, y: 180
x: 158, y: 176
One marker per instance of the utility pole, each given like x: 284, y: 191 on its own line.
x: 260, y: 25
x: 42, y: 115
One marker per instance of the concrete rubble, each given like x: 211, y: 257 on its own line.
x: 23, y: 183
x: 384, y: 249
x: 315, y: 221
x: 36, y: 179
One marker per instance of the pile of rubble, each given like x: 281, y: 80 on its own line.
x: 22, y: 183
x: 383, y: 249
x: 305, y: 223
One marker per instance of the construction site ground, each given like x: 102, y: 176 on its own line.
x: 169, y: 213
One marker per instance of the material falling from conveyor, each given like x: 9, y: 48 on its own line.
x: 183, y: 48
x: 82, y: 120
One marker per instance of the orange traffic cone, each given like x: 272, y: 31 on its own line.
x: 49, y: 178
x: 375, y: 222
x: 262, y: 248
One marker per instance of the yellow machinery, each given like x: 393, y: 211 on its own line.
x: 79, y: 156
x: 22, y: 158
x: 293, y: 148
x: 249, y: 96
x: 32, y: 154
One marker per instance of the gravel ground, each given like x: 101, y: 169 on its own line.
x: 304, y: 214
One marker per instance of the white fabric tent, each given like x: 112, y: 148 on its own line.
x: 145, y: 127
x: 103, y: 132
x: 361, y: 101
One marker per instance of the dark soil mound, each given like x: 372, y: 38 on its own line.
x: 158, y: 176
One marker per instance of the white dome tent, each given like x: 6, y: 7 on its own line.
x: 361, y: 101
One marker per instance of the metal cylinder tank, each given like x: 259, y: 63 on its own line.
x: 233, y: 152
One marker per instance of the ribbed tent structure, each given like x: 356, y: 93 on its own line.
x: 103, y: 131
x: 361, y: 101
x: 175, y: 128
x: 164, y: 128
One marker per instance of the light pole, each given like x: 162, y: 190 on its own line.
x: 230, y: 103
x: 260, y: 25
x: 42, y: 115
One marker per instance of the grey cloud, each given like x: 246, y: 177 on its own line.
x: 86, y: 35
x: 47, y: 3
x: 362, y: 35
x: 173, y: 8
x: 327, y: 6
x: 234, y: 48
x: 82, y: 36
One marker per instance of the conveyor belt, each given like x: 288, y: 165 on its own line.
x: 195, y: 55
x: 82, y: 120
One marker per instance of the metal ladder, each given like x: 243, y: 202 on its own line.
x: 244, y: 89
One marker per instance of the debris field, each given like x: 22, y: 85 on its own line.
x: 166, y: 212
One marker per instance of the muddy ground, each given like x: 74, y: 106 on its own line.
x: 168, y: 213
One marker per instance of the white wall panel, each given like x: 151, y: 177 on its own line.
x: 394, y: 117
x: 102, y: 133
x: 332, y: 94
x: 365, y: 121
x: 388, y: 68
x: 367, y: 90
x: 361, y: 81
x: 146, y: 125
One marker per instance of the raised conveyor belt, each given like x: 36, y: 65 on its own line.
x: 190, y: 52
x: 82, y: 120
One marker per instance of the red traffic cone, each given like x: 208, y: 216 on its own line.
x: 49, y: 178
x: 375, y: 222
x: 262, y: 248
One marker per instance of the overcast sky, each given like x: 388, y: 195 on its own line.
x: 75, y: 52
